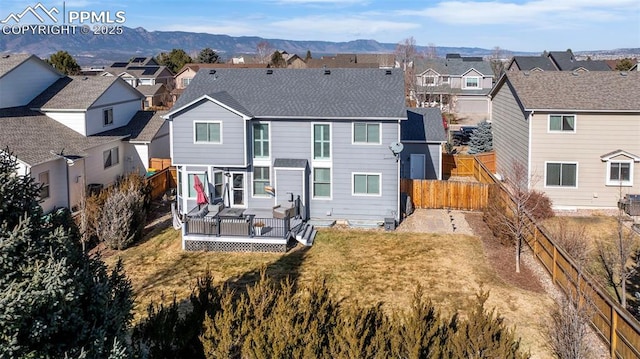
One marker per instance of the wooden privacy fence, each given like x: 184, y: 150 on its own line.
x: 613, y: 323
x: 162, y: 181
x: 160, y: 163
x: 465, y: 165
x: 446, y: 194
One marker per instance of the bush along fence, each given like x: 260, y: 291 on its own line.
x: 613, y: 323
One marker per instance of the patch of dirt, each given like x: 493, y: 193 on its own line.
x: 502, y: 257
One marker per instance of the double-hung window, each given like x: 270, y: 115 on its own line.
x: 560, y: 174
x: 208, y: 132
x: 260, y: 140
x: 366, y: 184
x: 562, y: 123
x: 366, y: 133
x: 321, y: 182
x: 111, y: 157
x: 321, y: 141
x: 260, y: 181
x: 472, y: 82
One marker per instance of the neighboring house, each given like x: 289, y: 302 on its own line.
x: 188, y: 71
x: 141, y: 71
x: 456, y: 84
x: 258, y: 137
x: 57, y: 128
x: 155, y: 95
x: 346, y: 61
x: 555, y: 61
x: 422, y: 136
x: 575, y: 133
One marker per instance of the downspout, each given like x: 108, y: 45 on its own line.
x: 529, y: 164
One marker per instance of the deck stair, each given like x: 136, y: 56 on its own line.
x: 306, y: 234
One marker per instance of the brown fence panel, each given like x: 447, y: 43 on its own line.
x: 613, y: 323
x: 488, y: 159
x: 446, y: 194
x: 162, y: 181
x: 160, y: 163
x: 457, y: 165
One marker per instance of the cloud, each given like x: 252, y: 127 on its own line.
x: 538, y: 12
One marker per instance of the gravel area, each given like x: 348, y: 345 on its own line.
x: 436, y: 221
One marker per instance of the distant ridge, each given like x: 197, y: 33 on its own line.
x: 103, y: 49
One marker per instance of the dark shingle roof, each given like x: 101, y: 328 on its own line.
x: 290, y: 163
x: 143, y: 127
x: 304, y: 93
x: 423, y: 124
x: 74, y: 92
x: 533, y: 62
x: 31, y: 136
x: 453, y: 66
x: 586, y: 91
x: 565, y: 61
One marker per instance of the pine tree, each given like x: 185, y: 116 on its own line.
x: 55, y: 300
x: 64, y: 63
x: 208, y: 56
x: 481, y: 139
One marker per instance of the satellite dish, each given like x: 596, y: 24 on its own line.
x: 396, y: 147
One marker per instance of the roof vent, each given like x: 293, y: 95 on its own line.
x: 387, y: 72
x: 575, y: 72
x: 6, y: 56
x: 623, y: 73
x: 212, y: 72
x: 526, y: 73
x: 269, y: 72
x: 327, y: 72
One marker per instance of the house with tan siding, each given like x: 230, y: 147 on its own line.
x: 577, y: 134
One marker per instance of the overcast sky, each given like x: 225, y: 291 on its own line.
x: 518, y: 25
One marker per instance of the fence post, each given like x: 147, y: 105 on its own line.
x: 555, y: 265
x: 613, y: 337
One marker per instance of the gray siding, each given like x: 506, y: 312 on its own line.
x: 229, y: 153
x: 432, y: 159
x: 293, y: 139
x: 510, y: 129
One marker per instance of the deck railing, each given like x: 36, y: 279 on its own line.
x: 248, y: 226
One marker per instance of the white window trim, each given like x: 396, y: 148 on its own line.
x: 353, y: 176
x: 427, y: 84
x: 575, y: 123
x: 253, y: 179
x: 313, y: 159
x: 104, y: 124
x: 628, y: 183
x: 244, y: 189
x: 561, y: 162
x: 47, y: 185
x: 464, y: 82
x: 442, y: 79
x: 353, y: 134
x: 204, y: 142
x: 313, y: 195
x: 259, y: 159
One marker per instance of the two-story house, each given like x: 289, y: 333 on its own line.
x: 59, y: 128
x: 259, y: 137
x: 576, y: 133
x: 555, y: 61
x: 456, y: 83
x: 150, y: 78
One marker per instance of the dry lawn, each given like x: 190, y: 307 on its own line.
x: 360, y: 266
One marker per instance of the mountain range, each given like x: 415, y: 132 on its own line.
x: 100, y: 50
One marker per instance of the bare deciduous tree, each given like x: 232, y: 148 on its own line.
x: 512, y: 217
x: 569, y: 329
x: 616, y: 259
x: 406, y: 53
x: 573, y: 239
x: 263, y: 52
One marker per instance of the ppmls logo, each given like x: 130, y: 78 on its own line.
x: 34, y: 11
x: 72, y: 17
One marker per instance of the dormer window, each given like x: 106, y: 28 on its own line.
x: 471, y: 82
x: 107, y: 116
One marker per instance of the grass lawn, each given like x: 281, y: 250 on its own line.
x: 360, y: 266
